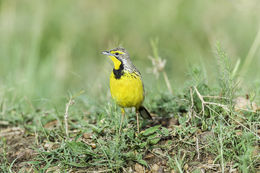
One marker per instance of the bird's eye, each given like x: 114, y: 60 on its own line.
x: 116, y: 53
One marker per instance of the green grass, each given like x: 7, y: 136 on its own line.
x: 206, y: 128
x: 50, y: 53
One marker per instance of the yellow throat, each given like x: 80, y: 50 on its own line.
x: 126, y: 85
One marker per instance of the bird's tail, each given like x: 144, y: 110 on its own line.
x: 144, y: 113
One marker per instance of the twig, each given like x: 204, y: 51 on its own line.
x: 101, y: 171
x: 197, y: 148
x: 221, y: 152
x: 208, y: 103
x: 217, y: 104
x: 167, y: 81
x: 201, y: 99
x: 191, y: 96
x: 216, y: 97
x: 66, y: 116
x: 36, y: 137
x: 191, y: 107
x: 242, y: 109
x: 190, y: 115
x: 192, y: 112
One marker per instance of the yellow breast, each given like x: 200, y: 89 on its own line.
x: 127, y: 91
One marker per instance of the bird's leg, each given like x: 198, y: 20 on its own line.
x: 122, y: 119
x: 137, y: 121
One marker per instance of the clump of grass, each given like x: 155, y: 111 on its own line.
x: 227, y: 75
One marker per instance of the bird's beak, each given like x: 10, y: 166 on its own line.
x: 107, y: 53
x: 115, y: 60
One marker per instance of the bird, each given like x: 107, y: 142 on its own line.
x: 126, y: 84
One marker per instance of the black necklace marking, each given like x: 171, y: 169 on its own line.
x: 118, y: 73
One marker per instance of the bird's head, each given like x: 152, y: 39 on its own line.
x: 119, y: 56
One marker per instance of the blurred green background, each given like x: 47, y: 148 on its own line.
x: 49, y: 48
